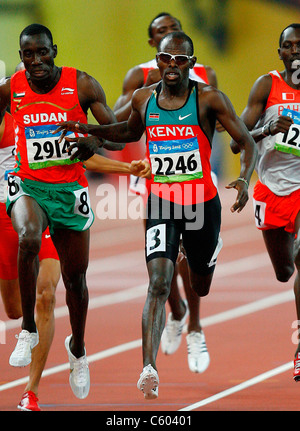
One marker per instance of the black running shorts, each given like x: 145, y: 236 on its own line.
x: 199, y: 225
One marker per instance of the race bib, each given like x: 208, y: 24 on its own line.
x: 5, y: 183
x: 156, y: 239
x: 289, y: 142
x: 43, y: 148
x: 175, y: 160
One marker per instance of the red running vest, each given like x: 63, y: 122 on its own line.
x: 39, y: 156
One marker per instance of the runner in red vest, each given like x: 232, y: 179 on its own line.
x: 46, y: 189
x: 273, y: 115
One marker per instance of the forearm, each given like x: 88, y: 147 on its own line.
x: 105, y: 165
x: 257, y: 134
x: 117, y: 132
x: 261, y: 132
x: 122, y: 113
x: 247, y: 160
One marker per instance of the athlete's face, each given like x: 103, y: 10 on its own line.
x: 37, y: 54
x: 162, y: 26
x: 175, y: 72
x: 289, y: 52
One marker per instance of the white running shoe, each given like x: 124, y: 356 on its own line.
x: 21, y: 356
x: 148, y: 382
x: 171, y: 336
x: 79, y: 373
x: 198, y: 356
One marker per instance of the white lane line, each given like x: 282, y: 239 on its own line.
x: 251, y: 382
x: 211, y: 320
x: 64, y: 367
x: 105, y: 265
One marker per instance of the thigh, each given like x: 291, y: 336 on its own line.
x: 49, y: 275
x: 162, y: 233
x: 27, y: 216
x: 73, y: 250
x: 297, y: 223
x: 280, y: 246
x: 10, y: 293
x: 203, y: 245
x: 47, y: 251
x: 9, y: 244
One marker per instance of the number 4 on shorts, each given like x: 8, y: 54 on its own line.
x: 259, y: 213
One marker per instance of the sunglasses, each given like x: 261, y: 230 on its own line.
x: 180, y: 59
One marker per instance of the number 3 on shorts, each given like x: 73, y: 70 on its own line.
x: 156, y: 239
x: 82, y: 202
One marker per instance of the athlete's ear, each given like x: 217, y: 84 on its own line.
x: 55, y: 50
x: 152, y: 42
x: 193, y: 62
x: 279, y: 53
x: 20, y: 54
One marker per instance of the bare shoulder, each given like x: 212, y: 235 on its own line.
x: 208, y: 92
x: 142, y: 94
x: 211, y: 76
x: 264, y: 81
x: 135, y: 75
x: 261, y: 89
x: 4, y: 93
x: 88, y: 86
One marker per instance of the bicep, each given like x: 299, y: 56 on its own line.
x: 91, y: 96
x: 257, y: 101
x: 211, y: 76
x: 135, y: 122
x: 133, y: 80
x: 4, y: 95
x: 227, y: 116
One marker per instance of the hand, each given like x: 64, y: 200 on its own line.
x: 282, y: 124
x: 86, y: 147
x: 70, y: 126
x: 242, y: 196
x: 140, y: 168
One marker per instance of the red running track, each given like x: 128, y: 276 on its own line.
x: 248, y: 319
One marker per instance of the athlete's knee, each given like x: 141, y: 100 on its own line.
x: 74, y: 281
x: 201, y: 290
x: 13, y: 312
x: 297, y: 252
x: 284, y: 273
x: 29, y: 242
x: 45, y: 300
x: 201, y: 283
x: 159, y: 286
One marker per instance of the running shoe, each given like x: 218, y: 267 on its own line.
x: 198, y: 356
x: 171, y: 336
x: 29, y: 402
x: 21, y: 356
x: 79, y: 372
x: 297, y: 368
x: 148, y: 382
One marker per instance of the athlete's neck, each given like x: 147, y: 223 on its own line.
x: 44, y: 85
x: 292, y: 78
x: 173, y: 97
